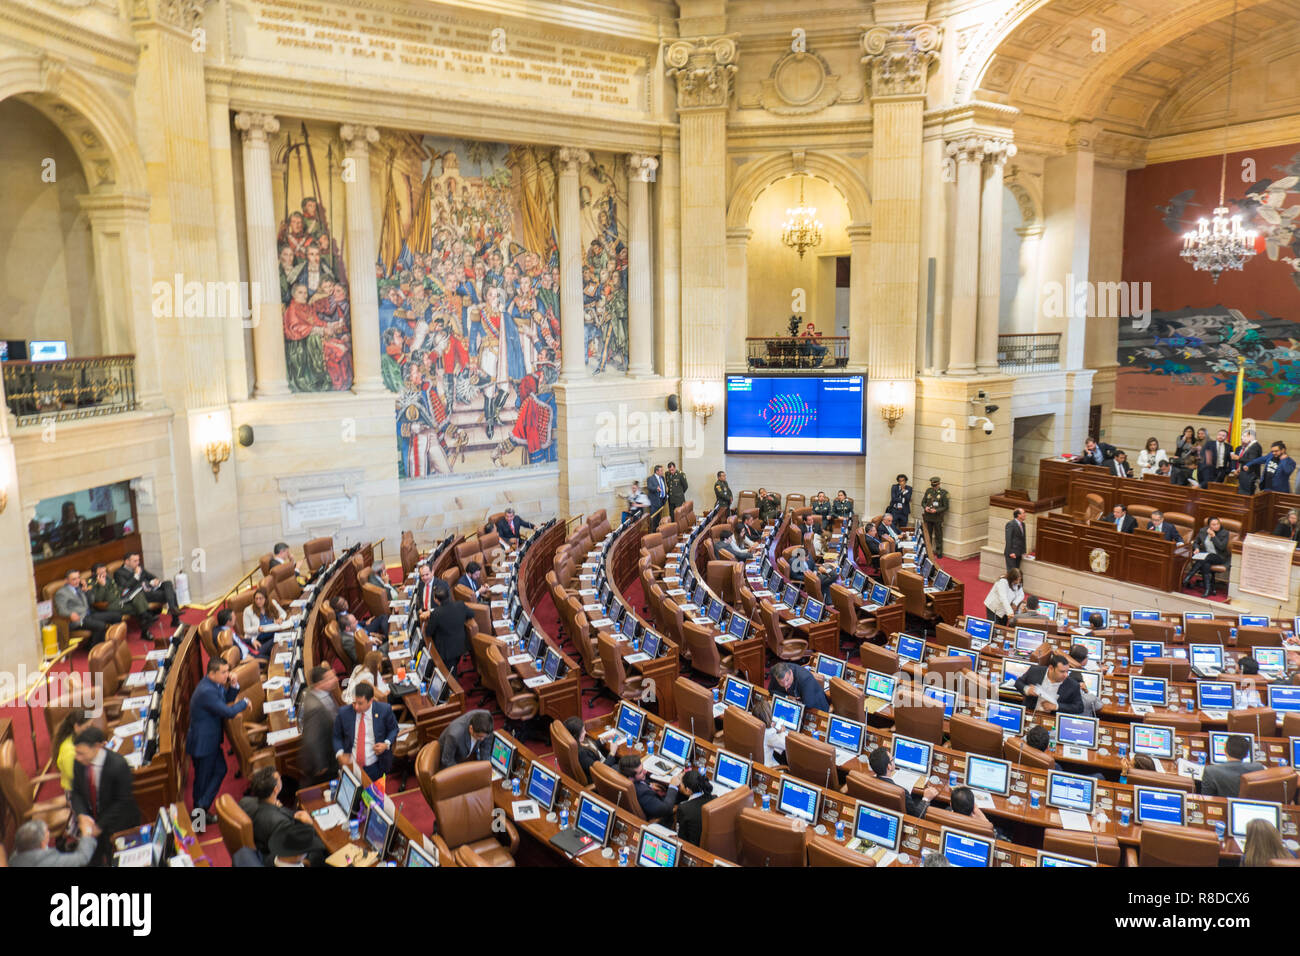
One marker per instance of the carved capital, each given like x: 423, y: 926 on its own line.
x: 358, y: 139
x: 642, y: 168
x: 182, y: 14
x: 900, y: 57
x: 570, y: 158
x: 256, y: 127
x: 998, y: 151
x: 705, y: 71
x: 968, y: 149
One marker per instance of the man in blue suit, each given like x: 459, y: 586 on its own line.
x: 795, y: 680
x: 1160, y: 527
x: 656, y: 489
x: 210, y: 707
x: 1278, y: 466
x: 365, y: 733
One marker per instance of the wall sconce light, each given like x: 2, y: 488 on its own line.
x: 891, y: 409
x: 704, y: 400
x: 216, y: 444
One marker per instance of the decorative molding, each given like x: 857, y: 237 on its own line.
x: 358, y: 139
x: 705, y: 71
x: 570, y: 159
x: 641, y: 168
x: 256, y: 127
x: 968, y: 149
x: 182, y: 14
x: 320, y: 500
x: 799, y: 84
x: 53, y: 69
x: 900, y: 57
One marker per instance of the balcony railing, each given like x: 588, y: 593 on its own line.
x: 70, y: 389
x: 1029, y: 353
x: 807, y: 352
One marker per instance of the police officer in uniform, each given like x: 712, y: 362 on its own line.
x: 934, y: 505
x: 676, y: 487
x: 821, y: 508
x: 769, y: 504
x: 900, y: 501
x: 722, y: 492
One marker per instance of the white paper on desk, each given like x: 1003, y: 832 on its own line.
x: 537, y: 681
x: 1080, y: 630
x: 601, y: 622
x: 514, y: 659
x: 398, y: 602
x: 275, y: 706
x: 275, y: 683
x: 134, y: 760
x: 397, y: 621
x: 404, y: 729
x: 719, y: 707
x: 1074, y: 820
x: 399, y: 655
x: 798, y: 621
x: 1189, y: 769
x: 525, y: 810
x: 135, y: 703
x: 983, y: 799
x: 592, y: 607
x: 498, y: 589
x: 673, y: 592
x: 762, y: 594
x: 591, y: 564
x: 156, y: 655
x: 275, y: 736
x: 688, y: 607
x: 671, y: 578
x: 496, y: 604
x: 501, y: 622
x: 129, y: 730
x: 702, y: 621
x: 906, y: 779
x: 299, y: 602
x: 636, y: 658
x: 140, y: 677
x: 285, y: 658
x: 780, y: 606
x: 586, y: 577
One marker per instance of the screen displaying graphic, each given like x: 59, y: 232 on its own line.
x: 795, y: 414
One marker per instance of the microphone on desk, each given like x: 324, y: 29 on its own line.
x: 828, y: 778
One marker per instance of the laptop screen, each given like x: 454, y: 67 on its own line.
x: 1152, y: 739
x: 1144, y: 615
x: 798, y: 800
x: 503, y: 754
x: 828, y: 666
x: 962, y: 849
x: 1242, y: 812
x: 630, y: 721
x: 1147, y: 690
x: 1284, y: 698
x: 1068, y: 791
x: 911, y: 648
x: 1028, y: 640
x: 845, y: 734
x: 880, y: 827
x: 1270, y: 658
x: 737, y: 692
x: 972, y: 656
x: 1095, y: 645
x: 1141, y: 650
x: 1207, y: 656
x: 879, y: 594
x: 1215, y: 695
x: 730, y: 770
x: 676, y: 746
x: 1010, y: 717
x: 595, y: 819
x: 1076, y: 731
x: 949, y: 698
x: 787, y: 712
x: 880, y: 686
x: 1158, y: 806
x: 656, y: 850
x: 1219, y: 741
x: 986, y: 773
x: 912, y: 754
x: 542, y: 785
x: 979, y: 627
x: 1086, y: 613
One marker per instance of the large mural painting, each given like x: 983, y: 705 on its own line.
x: 308, y: 192
x: 1185, y: 360
x: 603, y: 192
x: 469, y: 301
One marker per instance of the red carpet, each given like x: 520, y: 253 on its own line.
x: 967, y: 571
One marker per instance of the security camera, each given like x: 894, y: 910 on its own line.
x: 973, y: 420
x: 988, y: 426
x: 990, y: 409
x: 981, y: 394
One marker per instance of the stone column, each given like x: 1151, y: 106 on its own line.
x: 1067, y: 212
x: 996, y: 153
x: 704, y: 69
x: 969, y: 154
x: 737, y: 298
x: 259, y: 218
x: 573, y: 360
x: 227, y: 233
x: 860, y: 291
x: 640, y: 300
x: 363, y: 292
x: 1025, y: 303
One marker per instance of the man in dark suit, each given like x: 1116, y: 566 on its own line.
x: 871, y: 538
x: 1013, y: 548
x: 364, y: 734
x: 882, y: 765
x: 262, y: 804
x: 657, y: 489
x: 1277, y: 468
x: 509, y: 527
x: 422, y: 598
x: 1122, y: 520
x: 445, y: 626
x: 103, y: 787
x: 1224, y: 779
x: 1031, y: 616
x: 210, y: 707
x: 1119, y: 466
x: 1214, y: 462
x: 316, y: 746
x: 132, y: 575
x: 1247, y: 475
x: 795, y: 680
x: 1053, y: 688
x: 1096, y: 453
x: 900, y: 501
x: 472, y: 579
x: 1166, y: 531
x: 468, y: 737
x: 654, y: 806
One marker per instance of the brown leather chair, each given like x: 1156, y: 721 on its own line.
x: 889, y: 568
x: 516, y: 701
x: 250, y: 758
x: 462, y: 805
x: 746, y: 500
x: 427, y: 763
x: 1291, y: 725
x: 974, y: 736
x: 1103, y: 850
x: 1155, y: 631
x: 823, y: 851
x: 19, y: 791
x: 847, y: 700
x: 1180, y: 722
x: 705, y: 655
x: 947, y: 634
x: 616, y: 677
x: 864, y: 785
x: 694, y: 710
x: 1166, y: 845
x: 718, y: 822
x: 1276, y: 784
x: 566, y: 753
x: 769, y: 839
x: 1171, y: 668
x: 915, y: 718
x: 616, y: 788
x: 409, y: 553
x: 1020, y: 753
x: 742, y: 734
x: 779, y: 641
x: 717, y: 575
x: 958, y: 821
x: 1093, y: 506
x: 1259, y: 637
x: 879, y: 658
x: 318, y: 552
x: 236, y: 826
x: 811, y: 760
x: 1169, y: 781
x: 1260, y: 721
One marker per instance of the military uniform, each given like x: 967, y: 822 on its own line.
x: 676, y: 482
x: 722, y: 493
x: 936, y: 498
x: 821, y: 513
x: 111, y: 596
x: 769, y: 506
x: 842, y: 509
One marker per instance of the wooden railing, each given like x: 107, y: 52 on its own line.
x: 71, y: 388
x: 805, y: 352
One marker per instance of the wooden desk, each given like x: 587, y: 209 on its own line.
x: 315, y: 798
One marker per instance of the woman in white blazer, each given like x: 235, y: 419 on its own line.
x: 1150, y: 457
x: 1005, y: 597
x: 262, y: 610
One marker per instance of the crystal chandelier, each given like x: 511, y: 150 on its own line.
x: 1221, y: 243
x: 802, y: 229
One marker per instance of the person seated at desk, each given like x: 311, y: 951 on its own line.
x: 32, y: 845
x: 281, y: 553
x: 510, y: 527
x: 364, y: 734
x: 871, y: 538
x: 696, y: 791
x: 1031, y: 616
x: 750, y: 534
x: 795, y: 680
x: 71, y: 601
x: 773, y: 736
x: 106, y: 597
x: 1224, y: 779
x: 262, y: 804
x: 1096, y: 453
x: 263, y: 612
x: 1212, y: 541
x: 132, y: 576
x: 962, y: 801
x: 653, y: 805
x: 468, y: 737
x: 253, y: 645
x: 1122, y: 520
x: 887, y: 530
x: 1166, y: 531
x: 1135, y: 762
x: 1119, y: 466
x: 367, y: 672
x: 1288, y: 527
x: 356, y: 641
x: 103, y: 788
x: 291, y: 845
x: 842, y: 506
x: 1005, y: 597
x: 1079, y: 661
x: 882, y: 765
x: 1053, y: 688
x: 769, y: 505
x: 1174, y: 471
x: 379, y: 578
x: 1039, y: 738
x: 821, y: 508
x: 590, y: 750
x: 1263, y: 844
x: 726, y: 544
x: 472, y: 579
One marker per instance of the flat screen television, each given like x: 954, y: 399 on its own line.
x: 795, y: 414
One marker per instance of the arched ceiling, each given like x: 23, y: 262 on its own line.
x: 1144, y: 68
